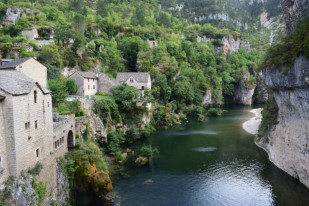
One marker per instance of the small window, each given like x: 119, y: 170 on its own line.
x: 27, y: 125
x: 35, y: 96
x: 37, y: 153
x: 36, y: 124
x: 143, y: 87
x: 55, y: 145
x: 93, y: 86
x: 93, y: 80
x: 131, y: 79
x: 47, y: 104
x: 88, y: 86
x: 88, y: 80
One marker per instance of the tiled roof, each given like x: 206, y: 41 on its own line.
x: 2, y: 97
x: 14, y: 63
x: 138, y: 76
x: 16, y: 83
x: 88, y: 75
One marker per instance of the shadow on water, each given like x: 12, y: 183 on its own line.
x: 210, y: 163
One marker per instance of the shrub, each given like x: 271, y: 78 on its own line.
x: 36, y: 169
x: 149, y: 151
x: 132, y: 134
x: 292, y: 46
x: 269, y: 116
x: 215, y: 112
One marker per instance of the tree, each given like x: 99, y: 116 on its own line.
x: 58, y: 90
x: 71, y: 86
x: 130, y: 47
x: 50, y: 55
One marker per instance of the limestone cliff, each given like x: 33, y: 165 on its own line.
x: 243, y: 90
x: 288, y: 141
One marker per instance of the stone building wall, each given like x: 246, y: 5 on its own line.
x: 32, y: 144
x: 35, y: 70
x: 90, y: 86
x: 63, y: 133
x: 4, y: 172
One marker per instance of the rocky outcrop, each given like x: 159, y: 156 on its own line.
x: 243, y: 91
x: 94, y: 123
x: 288, y: 141
x: 233, y: 45
x: 26, y: 190
x: 294, y: 11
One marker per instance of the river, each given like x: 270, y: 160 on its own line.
x: 214, y: 163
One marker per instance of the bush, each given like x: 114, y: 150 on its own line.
x: 36, y: 169
x: 292, y: 46
x: 132, y: 134
x: 269, y: 116
x: 215, y: 112
x: 115, y: 138
x: 149, y: 151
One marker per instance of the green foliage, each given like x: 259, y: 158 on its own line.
x: 292, y: 46
x: 149, y: 151
x: 132, y: 134
x: 86, y: 134
x: 115, y: 138
x: 269, y: 116
x: 71, y: 86
x: 86, y: 169
x: 40, y: 191
x: 107, y: 109
x: 126, y: 98
x: 58, y: 89
x: 215, y: 112
x: 36, y: 169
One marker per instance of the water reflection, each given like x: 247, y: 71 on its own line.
x: 196, y: 169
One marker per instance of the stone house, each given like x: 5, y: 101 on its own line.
x: 27, y: 132
x: 87, y: 83
x: 30, y: 33
x: 30, y: 67
x: 105, y: 84
x: 139, y: 80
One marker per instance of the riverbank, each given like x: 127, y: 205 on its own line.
x: 252, y: 125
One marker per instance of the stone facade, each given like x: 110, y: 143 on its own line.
x: 87, y: 83
x: 28, y: 134
x: 31, y: 33
x: 139, y: 80
x: 30, y: 67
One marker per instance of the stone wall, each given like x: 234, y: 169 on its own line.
x: 35, y: 70
x: 4, y: 172
x: 63, y: 130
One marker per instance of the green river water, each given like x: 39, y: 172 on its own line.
x: 214, y: 163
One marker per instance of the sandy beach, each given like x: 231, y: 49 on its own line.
x: 252, y: 125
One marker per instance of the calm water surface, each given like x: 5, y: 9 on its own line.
x: 214, y: 163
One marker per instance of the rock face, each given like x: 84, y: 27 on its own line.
x: 294, y: 10
x: 288, y: 141
x: 233, y: 45
x: 242, y: 92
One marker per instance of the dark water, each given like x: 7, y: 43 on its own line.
x: 214, y: 163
